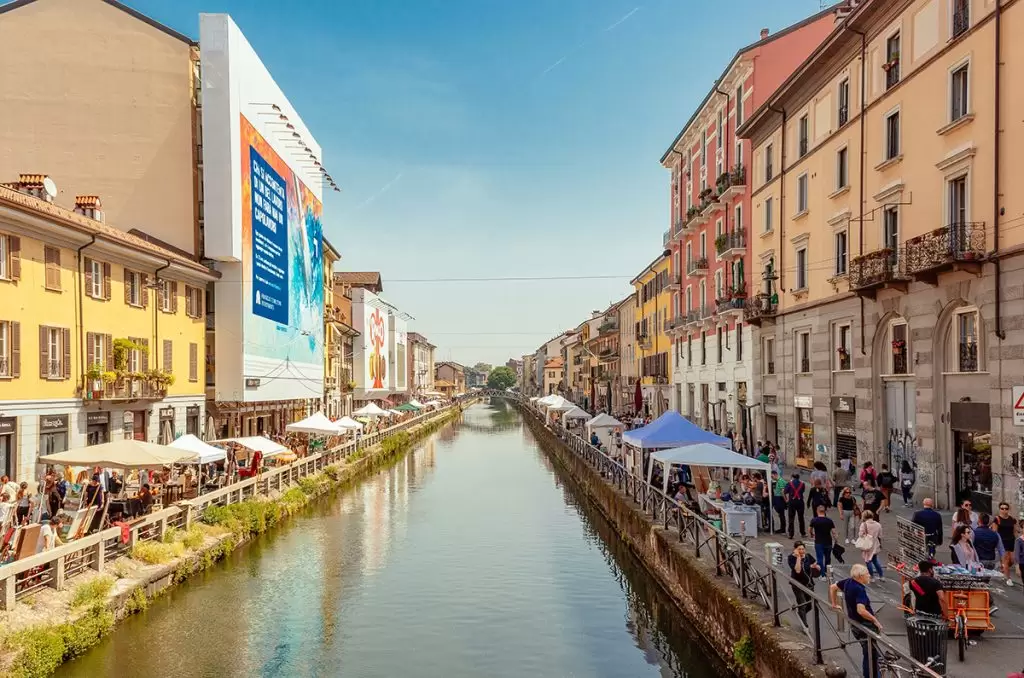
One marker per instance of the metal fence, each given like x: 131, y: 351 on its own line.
x: 757, y: 580
x: 53, y: 569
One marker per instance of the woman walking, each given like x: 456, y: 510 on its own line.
x: 24, y: 502
x: 849, y: 512
x: 907, y: 479
x: 869, y: 541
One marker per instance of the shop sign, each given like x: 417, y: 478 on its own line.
x: 129, y: 419
x: 49, y: 423
x: 804, y: 402
x: 192, y: 411
x: 846, y: 431
x: 806, y: 415
x: 166, y: 414
x: 7, y: 425
x: 844, y: 404
x: 252, y: 383
x: 96, y: 418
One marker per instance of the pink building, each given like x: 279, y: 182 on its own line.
x: 710, y: 227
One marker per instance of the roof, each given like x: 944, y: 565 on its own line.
x: 441, y: 383
x: 419, y: 339
x: 554, y: 362
x: 124, y: 8
x: 647, y: 269
x: 79, y: 222
x: 736, y: 57
x: 328, y: 247
x: 365, y: 278
x: 450, y: 363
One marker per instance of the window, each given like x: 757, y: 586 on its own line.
x: 703, y: 348
x: 842, y: 253
x: 801, y: 193
x: 768, y: 355
x: 900, y: 348
x: 703, y: 244
x: 768, y: 206
x: 718, y: 285
x: 10, y: 257
x: 961, y: 17
x: 737, y: 223
x: 803, y: 348
x: 842, y: 168
x: 739, y: 341
x: 958, y: 207
x: 194, y: 300
x: 739, y: 105
x: 689, y: 350
x: 704, y: 149
x: 4, y: 256
x: 718, y: 228
x: 689, y: 299
x: 703, y: 296
x: 891, y: 228
x: 803, y: 132
x: 167, y: 296
x: 892, y: 135
x: 892, y: 61
x: 168, y: 356
x: 10, y: 349
x: 801, y: 269
x: 966, y: 327
x: 133, y: 289
x: 844, y: 347
x: 51, y: 258
x: 844, y: 102
x: 94, y: 279
x: 721, y: 345
x: 54, y: 353
x: 958, y: 81
x: 97, y: 351
x: 769, y: 152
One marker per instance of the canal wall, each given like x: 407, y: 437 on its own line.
x: 54, y: 626
x: 711, y: 604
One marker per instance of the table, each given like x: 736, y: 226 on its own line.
x: 737, y: 519
x: 172, y: 492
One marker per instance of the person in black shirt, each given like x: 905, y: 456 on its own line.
x: 872, y: 497
x: 886, y: 481
x: 802, y: 569
x: 931, y: 521
x: 824, y: 537
x: 1006, y: 526
x: 926, y: 591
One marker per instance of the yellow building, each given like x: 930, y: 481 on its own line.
x: 101, y: 332
x: 883, y: 194
x: 653, y: 346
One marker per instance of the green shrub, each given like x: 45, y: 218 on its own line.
x: 92, y: 592
x: 171, y: 535
x: 308, y: 484
x: 85, y: 632
x: 743, y: 653
x: 193, y: 538
x: 157, y: 553
x: 137, y: 602
x: 41, y: 651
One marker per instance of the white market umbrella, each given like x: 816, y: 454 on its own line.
x: 434, y: 403
x: 575, y: 413
x: 208, y: 454
x: 604, y: 420
x: 121, y: 454
x: 349, y: 423
x: 317, y: 424
x: 370, y: 410
x: 415, y: 403
x: 258, y: 444
x: 395, y: 413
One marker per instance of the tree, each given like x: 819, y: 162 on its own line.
x: 501, y: 378
x: 482, y: 368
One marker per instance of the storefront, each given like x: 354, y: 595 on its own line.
x: 97, y: 428
x: 166, y: 425
x: 192, y: 420
x: 53, y: 433
x: 8, y: 429
x: 805, y: 431
x: 972, y: 454
x: 844, y: 425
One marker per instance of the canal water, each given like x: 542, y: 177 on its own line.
x: 471, y: 556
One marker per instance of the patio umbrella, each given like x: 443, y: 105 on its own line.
x: 638, y: 398
x: 207, y: 453
x: 349, y: 423
x: 121, y: 454
x: 370, y: 410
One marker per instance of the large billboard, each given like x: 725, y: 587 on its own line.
x: 371, y: 352
x: 398, y: 341
x: 262, y: 224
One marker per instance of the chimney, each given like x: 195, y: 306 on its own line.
x: 89, y: 206
x: 34, y: 185
x: 764, y: 33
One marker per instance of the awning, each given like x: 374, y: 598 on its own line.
x: 604, y: 420
x: 672, y: 430
x: 258, y: 444
x: 575, y: 413
x: 370, y: 410
x: 408, y: 407
x: 348, y: 423
x: 415, y: 403
x: 317, y: 424
x: 208, y: 454
x: 121, y: 454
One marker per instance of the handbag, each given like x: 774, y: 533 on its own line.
x: 865, y: 542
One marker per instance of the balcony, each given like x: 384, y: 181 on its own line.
x: 609, y: 326
x: 732, y: 184
x: 900, y: 362
x: 709, y: 204
x: 892, y: 71
x: 876, y: 270
x: 957, y: 247
x: 732, y: 244
x: 211, y: 322
x: 733, y: 302
x: 608, y: 355
x: 692, y: 317
x: 666, y: 238
x: 697, y: 267
x: 644, y: 340
x: 759, y: 308
x: 123, y: 388
x: 691, y: 221
x: 675, y: 324
x: 675, y: 281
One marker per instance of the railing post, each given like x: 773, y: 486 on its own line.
x: 817, y: 631
x: 7, y: 593
x: 99, y: 556
x: 774, y: 584
x: 59, y: 573
x: 743, y: 575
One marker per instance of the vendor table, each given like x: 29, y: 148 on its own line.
x: 737, y: 519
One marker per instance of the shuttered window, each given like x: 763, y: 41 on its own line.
x: 193, y: 302
x: 193, y: 362
x: 54, y: 353
x: 10, y: 349
x: 51, y: 256
x: 168, y: 356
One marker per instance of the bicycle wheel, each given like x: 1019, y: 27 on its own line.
x: 961, y: 638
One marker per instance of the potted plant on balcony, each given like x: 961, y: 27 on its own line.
x: 720, y: 242
x: 692, y: 212
x: 94, y: 379
x: 351, y: 385
x: 722, y: 182
x: 844, y: 356
x: 897, y: 346
x: 893, y: 61
x: 738, y: 176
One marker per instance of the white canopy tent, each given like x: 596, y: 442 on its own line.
x: 349, y: 424
x: 416, y: 403
x: 208, y: 454
x: 607, y: 427
x: 317, y: 424
x: 703, y: 454
x: 576, y: 413
x: 126, y: 454
x: 434, y: 403
x: 547, y: 399
x: 258, y: 444
x: 395, y: 413
x: 370, y: 410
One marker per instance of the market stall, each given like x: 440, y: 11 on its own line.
x: 574, y: 418
x: 667, y: 431
x: 608, y: 429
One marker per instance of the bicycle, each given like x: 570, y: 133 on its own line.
x: 960, y: 632
x: 888, y: 665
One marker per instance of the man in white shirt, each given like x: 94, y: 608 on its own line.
x: 49, y: 535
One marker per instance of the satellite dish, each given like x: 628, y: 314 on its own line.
x: 50, y: 187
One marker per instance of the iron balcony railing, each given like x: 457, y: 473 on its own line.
x: 759, y: 307
x: 124, y: 388
x: 892, y: 73
x: 803, y: 147
x: 844, y: 115
x: 900, y: 364
x: 961, y: 17
x: 608, y: 326
x: 770, y: 367
x: 968, y: 358
x: 674, y: 281
x: 731, y: 243
x: 666, y: 238
x: 5, y: 367
x: 54, y: 369
x: 693, y: 316
x: 874, y: 269
x: 697, y: 266
x: 943, y: 247
x: 805, y: 365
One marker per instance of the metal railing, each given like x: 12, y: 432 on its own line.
x: 961, y: 17
x: 968, y: 356
x: 957, y: 242
x: 54, y: 369
x: 53, y: 569
x: 874, y: 269
x: 756, y: 579
x: 5, y: 367
x: 697, y: 266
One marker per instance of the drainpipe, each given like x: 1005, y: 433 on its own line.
x: 782, y: 248
x: 156, y: 316
x: 725, y: 144
x: 863, y: 162
x: 81, y: 318
x: 1000, y: 332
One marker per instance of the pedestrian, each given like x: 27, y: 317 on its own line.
x: 1006, y: 526
x: 872, y: 497
x: 794, y: 494
x: 965, y: 516
x: 9, y: 486
x: 54, y: 500
x: 886, y: 481
x: 840, y: 479
x: 988, y: 543
x: 761, y: 497
x: 858, y: 609
x: 907, y: 480
x: 930, y: 520
x: 849, y: 514
x: 49, y: 535
x: 961, y: 547
x: 1018, y: 556
x: 802, y: 569
x: 819, y: 474
x: 25, y: 502
x: 818, y: 496
x: 779, y: 501
x: 868, y: 471
x: 924, y: 592
x: 824, y: 531
x: 869, y: 542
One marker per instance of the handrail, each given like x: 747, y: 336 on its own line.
x: 749, y: 573
x: 53, y: 562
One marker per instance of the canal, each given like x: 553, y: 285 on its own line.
x: 471, y: 556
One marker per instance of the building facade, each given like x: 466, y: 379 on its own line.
x: 101, y: 332
x: 709, y: 235
x: 421, y: 364
x: 653, y: 305
x: 450, y: 378
x: 343, y: 338
x: 889, y: 303
x: 554, y: 375
x: 606, y: 352
x: 629, y: 370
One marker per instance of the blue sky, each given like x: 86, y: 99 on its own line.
x: 495, y: 138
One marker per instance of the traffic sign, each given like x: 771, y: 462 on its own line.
x: 1018, y: 405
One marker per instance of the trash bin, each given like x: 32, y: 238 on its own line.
x: 927, y: 638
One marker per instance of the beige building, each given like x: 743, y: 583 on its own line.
x: 104, y: 100
x: 890, y: 301
x: 421, y: 364
x: 628, y: 364
x: 554, y: 373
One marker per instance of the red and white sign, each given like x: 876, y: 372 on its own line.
x: 1018, y: 405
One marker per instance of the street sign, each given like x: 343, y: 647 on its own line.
x: 1018, y: 405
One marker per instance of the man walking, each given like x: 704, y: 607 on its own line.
x: 858, y: 609
x: 930, y: 520
x: 988, y: 543
x: 779, y: 501
x: 794, y: 494
x: 824, y: 531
